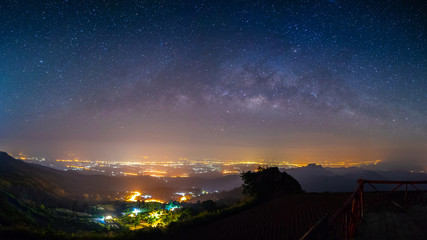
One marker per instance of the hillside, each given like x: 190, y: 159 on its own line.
x: 31, y: 182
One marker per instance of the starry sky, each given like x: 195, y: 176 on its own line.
x: 295, y: 81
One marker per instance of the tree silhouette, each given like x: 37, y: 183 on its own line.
x: 209, y: 205
x: 249, y: 178
x: 267, y: 181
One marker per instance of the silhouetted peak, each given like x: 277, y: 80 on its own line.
x: 5, y: 156
x: 314, y: 165
x: 8, y: 163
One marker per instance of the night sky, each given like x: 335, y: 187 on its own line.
x: 304, y: 81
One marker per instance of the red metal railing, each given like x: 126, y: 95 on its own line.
x: 344, y: 222
x: 399, y: 184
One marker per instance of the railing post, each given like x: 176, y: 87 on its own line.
x: 362, y: 200
x: 406, y: 193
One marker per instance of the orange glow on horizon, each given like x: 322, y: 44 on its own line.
x: 230, y: 172
x: 155, y: 171
x: 132, y: 174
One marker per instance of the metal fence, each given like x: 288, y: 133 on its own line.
x: 344, y: 222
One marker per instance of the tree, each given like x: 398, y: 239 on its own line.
x: 249, y: 179
x: 209, y: 205
x: 269, y: 181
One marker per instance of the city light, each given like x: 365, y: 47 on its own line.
x: 136, y: 211
x: 134, y: 196
x: 183, y: 167
x: 171, y: 206
x: 156, y: 214
x: 132, y: 174
x: 154, y: 200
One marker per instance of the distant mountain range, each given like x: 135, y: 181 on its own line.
x: 315, y: 178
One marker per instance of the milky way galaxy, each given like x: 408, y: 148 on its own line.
x: 299, y: 81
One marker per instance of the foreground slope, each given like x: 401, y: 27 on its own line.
x: 286, y: 217
x: 32, y: 182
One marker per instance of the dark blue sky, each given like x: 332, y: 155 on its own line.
x: 304, y: 80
